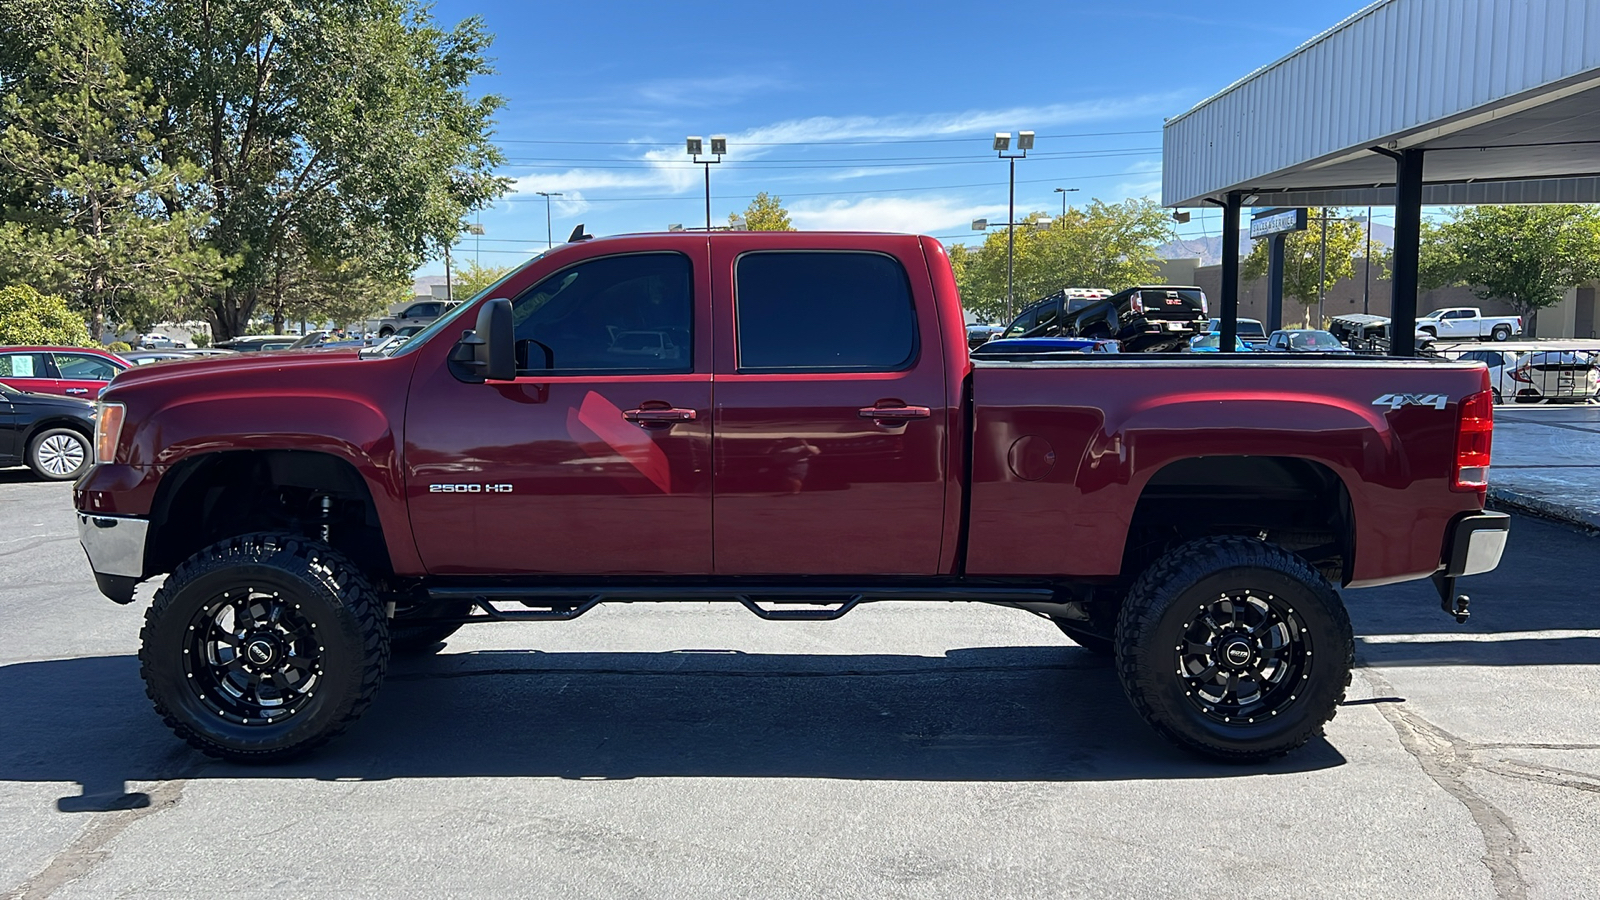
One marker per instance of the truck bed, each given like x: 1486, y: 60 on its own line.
x: 1066, y: 448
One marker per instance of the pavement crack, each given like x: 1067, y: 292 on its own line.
x: 1543, y: 774
x: 86, y: 851
x: 1447, y: 759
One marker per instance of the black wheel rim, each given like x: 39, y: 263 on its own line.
x: 1244, y: 658
x: 252, y: 657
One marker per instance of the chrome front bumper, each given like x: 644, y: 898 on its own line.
x: 1476, y: 544
x: 115, y: 545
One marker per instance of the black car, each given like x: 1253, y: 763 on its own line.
x: 1145, y: 319
x: 49, y: 434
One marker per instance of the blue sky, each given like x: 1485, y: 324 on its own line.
x: 869, y: 115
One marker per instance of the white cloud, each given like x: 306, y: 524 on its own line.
x: 1146, y: 183
x: 702, y: 92
x: 901, y: 214
x: 668, y: 171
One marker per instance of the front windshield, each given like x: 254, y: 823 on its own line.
x: 1315, y: 340
x: 444, y: 321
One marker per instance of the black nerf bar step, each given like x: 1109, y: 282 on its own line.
x: 564, y: 603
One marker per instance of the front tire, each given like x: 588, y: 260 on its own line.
x: 59, y: 454
x: 1234, y: 649
x: 1501, y: 333
x: 262, y: 647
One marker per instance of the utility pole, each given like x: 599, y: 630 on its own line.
x: 1322, y: 278
x: 1064, y: 192
x: 447, y: 296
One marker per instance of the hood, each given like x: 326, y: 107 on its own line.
x: 263, y: 363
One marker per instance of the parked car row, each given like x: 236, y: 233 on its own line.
x: 1528, y: 375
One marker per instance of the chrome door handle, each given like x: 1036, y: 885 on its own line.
x: 77, y: 390
x: 659, y: 416
x: 894, y: 412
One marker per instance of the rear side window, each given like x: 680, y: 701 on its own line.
x: 824, y: 311
x: 22, y: 365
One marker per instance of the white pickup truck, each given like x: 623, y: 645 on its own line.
x: 1469, y: 323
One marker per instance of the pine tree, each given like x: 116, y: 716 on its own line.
x: 90, y: 193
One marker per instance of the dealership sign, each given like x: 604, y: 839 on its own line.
x: 1277, y: 221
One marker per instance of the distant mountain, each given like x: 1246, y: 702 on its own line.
x: 1209, y: 249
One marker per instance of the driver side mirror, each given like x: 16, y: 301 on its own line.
x: 487, y: 353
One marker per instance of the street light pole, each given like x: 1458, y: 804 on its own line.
x: 549, y: 240
x: 1064, y: 192
x: 1002, y: 144
x: 695, y: 146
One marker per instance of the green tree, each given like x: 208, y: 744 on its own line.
x: 343, y: 126
x: 88, y: 214
x: 472, y: 278
x: 1110, y: 245
x: 29, y: 317
x: 765, y: 213
x: 1303, y: 277
x: 1527, y: 256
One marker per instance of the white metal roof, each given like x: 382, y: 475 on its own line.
x: 1503, y: 94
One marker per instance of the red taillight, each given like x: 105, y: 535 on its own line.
x: 1474, y: 434
x: 1521, y: 375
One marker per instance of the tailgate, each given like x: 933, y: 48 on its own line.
x: 1172, y: 305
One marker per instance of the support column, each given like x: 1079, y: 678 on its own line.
x: 1407, y: 252
x: 1230, y: 274
x: 1275, y: 283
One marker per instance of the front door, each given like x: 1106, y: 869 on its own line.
x: 596, y: 459
x: 831, y: 414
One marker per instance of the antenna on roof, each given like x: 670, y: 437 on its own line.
x: 578, y: 235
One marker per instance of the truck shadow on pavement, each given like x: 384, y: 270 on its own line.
x: 990, y: 714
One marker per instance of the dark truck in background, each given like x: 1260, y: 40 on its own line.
x: 521, y: 460
x: 1146, y: 319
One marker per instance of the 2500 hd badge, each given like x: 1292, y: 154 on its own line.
x: 469, y: 488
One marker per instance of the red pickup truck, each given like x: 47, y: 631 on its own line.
x: 787, y: 421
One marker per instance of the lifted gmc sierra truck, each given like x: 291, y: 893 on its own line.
x: 787, y: 421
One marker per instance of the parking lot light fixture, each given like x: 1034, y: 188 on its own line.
x: 1064, y: 192
x: 1002, y: 149
x: 549, y: 240
x: 695, y: 146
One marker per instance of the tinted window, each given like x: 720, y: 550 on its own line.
x: 83, y: 367
x: 616, y: 314
x: 1023, y: 324
x: 22, y: 365
x: 1247, y: 329
x: 824, y: 311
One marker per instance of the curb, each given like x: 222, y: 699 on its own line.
x: 1526, y: 503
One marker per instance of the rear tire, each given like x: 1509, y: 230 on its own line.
x: 263, y: 647
x: 1234, y: 649
x: 1501, y: 333
x: 59, y: 454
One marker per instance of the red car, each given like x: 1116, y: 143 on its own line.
x: 69, y: 371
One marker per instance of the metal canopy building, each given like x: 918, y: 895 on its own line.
x: 1405, y: 103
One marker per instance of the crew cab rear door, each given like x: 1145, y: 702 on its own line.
x: 596, y: 459
x: 831, y: 432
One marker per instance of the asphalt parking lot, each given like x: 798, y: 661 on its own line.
x: 945, y: 750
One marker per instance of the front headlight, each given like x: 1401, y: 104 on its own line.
x: 107, y: 429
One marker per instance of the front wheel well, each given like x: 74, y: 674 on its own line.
x: 216, y: 496
x: 1298, y: 504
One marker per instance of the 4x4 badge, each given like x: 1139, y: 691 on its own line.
x: 1395, y: 401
